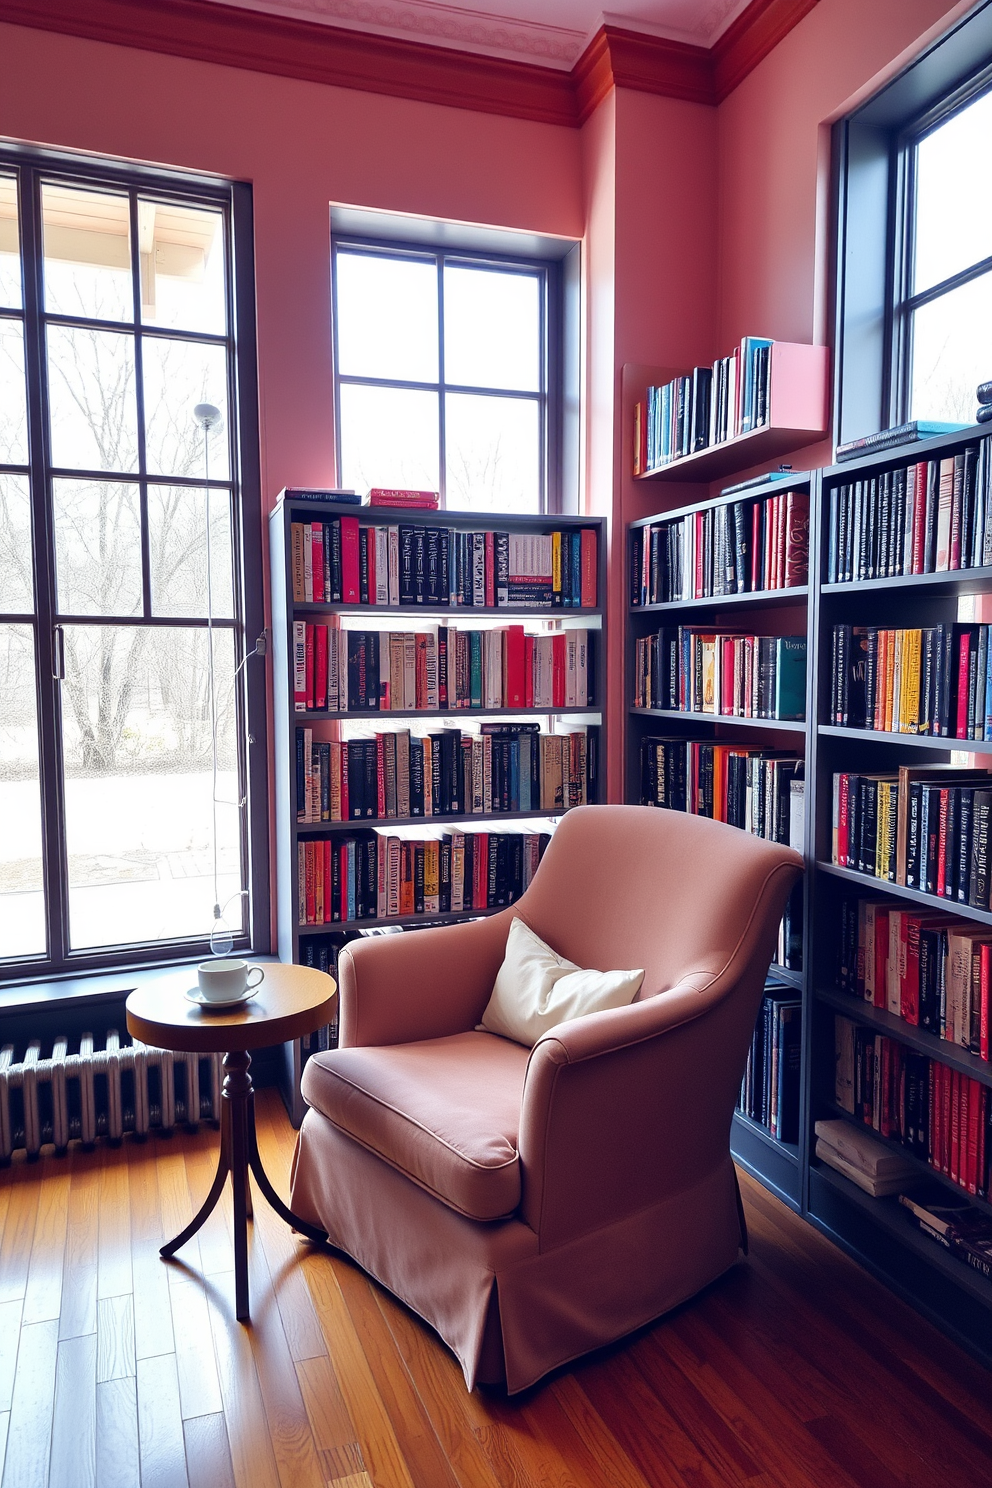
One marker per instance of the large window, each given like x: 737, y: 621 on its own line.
x: 123, y: 772
x: 942, y: 322
x: 444, y: 375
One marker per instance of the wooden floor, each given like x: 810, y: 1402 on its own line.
x: 795, y: 1371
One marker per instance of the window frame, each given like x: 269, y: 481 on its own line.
x: 869, y: 194
x: 31, y: 167
x: 550, y: 394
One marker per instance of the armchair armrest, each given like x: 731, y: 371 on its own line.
x: 397, y: 989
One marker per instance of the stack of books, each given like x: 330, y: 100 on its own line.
x: 371, y: 671
x: 695, y: 669
x: 770, y: 1089
x: 933, y: 970
x: 960, y: 1227
x: 341, y: 560
x: 876, y: 1169
x: 374, y: 875
x: 499, y: 768
x: 928, y: 516
x: 741, y: 547
x: 983, y: 393
x: 938, y: 1114
x: 706, y: 407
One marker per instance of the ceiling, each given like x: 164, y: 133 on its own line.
x: 548, y: 33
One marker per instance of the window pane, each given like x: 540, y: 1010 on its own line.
x: 16, y: 580
x: 22, y: 898
x: 387, y: 317
x: 953, y: 210
x: 13, y: 395
x: 177, y: 535
x: 493, y: 453
x: 10, y: 256
x: 492, y: 329
x: 952, y: 338
x: 87, y: 253
x: 181, y: 252
x: 91, y: 394
x: 178, y: 376
x: 136, y: 725
x: 389, y: 437
x: 97, y: 547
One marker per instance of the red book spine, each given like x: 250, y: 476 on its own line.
x: 909, y: 980
x: 480, y: 871
x: 317, y: 559
x: 974, y: 1107
x: 558, y: 671
x: 310, y: 884
x: 964, y: 656
x: 328, y: 855
x: 370, y: 555
x: 345, y: 802
x: 942, y: 843
x: 310, y: 669
x: 781, y: 547
x: 528, y: 671
x: 350, y: 582
x: 918, y: 475
x: 954, y: 1155
x: 320, y: 666
x: 796, y: 539
x: 983, y: 983
x: 588, y: 555
x: 421, y: 673
x: 343, y: 881
x: 885, y: 1090
x: 881, y: 957
x: 842, y: 821
x: 491, y: 569
x: 516, y: 692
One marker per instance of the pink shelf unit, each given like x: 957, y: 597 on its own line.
x: 798, y: 414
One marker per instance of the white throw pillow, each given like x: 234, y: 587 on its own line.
x: 537, y: 989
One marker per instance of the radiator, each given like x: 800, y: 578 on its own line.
x: 123, y: 1087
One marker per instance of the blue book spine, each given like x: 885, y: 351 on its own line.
x: 352, y: 896
x: 528, y: 743
x: 987, y: 731
x: 576, y: 541
x: 301, y: 778
x: 515, y: 774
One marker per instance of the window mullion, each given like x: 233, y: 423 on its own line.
x: 139, y: 389
x: 55, y: 866
x: 441, y: 406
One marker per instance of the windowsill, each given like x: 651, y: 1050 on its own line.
x: 92, y: 988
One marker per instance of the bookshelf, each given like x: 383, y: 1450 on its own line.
x: 760, y: 610
x: 444, y: 770
x: 880, y: 1233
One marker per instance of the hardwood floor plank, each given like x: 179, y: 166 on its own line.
x: 208, y: 1452
x: 79, y: 1283
x: 118, y: 1462
x: 43, y: 1293
x: 114, y: 1277
x: 610, y: 1460
x: 10, y: 1326
x: 152, y: 1303
x: 175, y: 1201
x: 425, y: 1458
x: 161, y: 1445
x: 383, y: 1455
x: 4, y: 1423
x: 214, y: 1238
x: 73, y: 1463
x: 29, y: 1432
x: 115, y: 1338
x: 18, y: 1232
x: 252, y: 1456
x: 329, y: 1419
x: 199, y: 1387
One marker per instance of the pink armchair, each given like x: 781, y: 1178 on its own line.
x: 533, y: 1204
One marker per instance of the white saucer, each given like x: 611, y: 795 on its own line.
x: 210, y: 1003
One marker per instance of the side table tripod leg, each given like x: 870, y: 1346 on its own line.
x: 216, y: 1188
x: 309, y: 1231
x: 238, y: 1092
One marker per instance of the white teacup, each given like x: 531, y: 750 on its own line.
x: 226, y: 980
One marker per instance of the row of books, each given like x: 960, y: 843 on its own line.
x: 344, y: 561
x: 371, y: 671
x: 694, y: 669
x: 929, y: 516
x: 371, y: 875
x: 706, y: 407
x: 770, y: 1088
x: 962, y: 1229
x: 934, y: 680
x: 759, y: 790
x: 741, y: 547
x: 926, y: 829
x: 937, y: 1113
x: 930, y: 969
x: 500, y: 768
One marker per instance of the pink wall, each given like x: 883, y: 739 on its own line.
x: 302, y: 145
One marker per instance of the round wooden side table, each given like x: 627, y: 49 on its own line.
x: 290, y: 1002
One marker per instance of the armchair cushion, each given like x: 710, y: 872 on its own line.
x: 444, y: 1112
x: 536, y: 989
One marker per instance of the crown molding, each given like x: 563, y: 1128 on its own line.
x: 260, y: 41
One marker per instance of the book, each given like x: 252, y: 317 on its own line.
x: 318, y: 493
x: 386, y: 496
x: 885, y: 439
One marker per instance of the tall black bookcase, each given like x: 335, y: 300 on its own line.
x: 878, y: 1232
x: 292, y: 936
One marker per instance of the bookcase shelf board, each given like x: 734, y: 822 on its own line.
x: 926, y: 1172
x: 776, y: 725
x: 368, y: 715
x: 402, y: 922
x: 774, y: 1164
x: 798, y: 480
x: 903, y: 454
x: 765, y: 598
x: 870, y: 885
x: 912, y: 741
x: 735, y: 454
x: 907, y: 1033
x: 785, y: 974
x: 387, y: 823
x: 950, y: 582
x: 788, y: 1150
x: 455, y: 614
